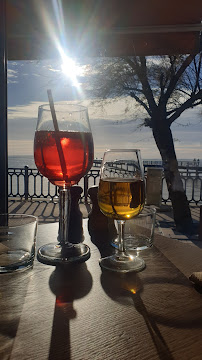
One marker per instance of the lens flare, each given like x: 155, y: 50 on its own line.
x: 55, y: 27
x: 70, y: 69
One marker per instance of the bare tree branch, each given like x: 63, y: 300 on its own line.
x: 197, y: 85
x: 142, y: 76
x: 140, y: 102
x: 133, y: 89
x: 186, y: 105
x: 162, y: 87
x: 176, y: 77
x: 184, y: 92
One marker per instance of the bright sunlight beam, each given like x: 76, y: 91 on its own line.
x: 69, y: 66
x: 71, y: 70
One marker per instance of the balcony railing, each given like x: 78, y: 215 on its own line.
x: 28, y: 183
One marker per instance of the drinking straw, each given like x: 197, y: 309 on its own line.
x: 56, y: 128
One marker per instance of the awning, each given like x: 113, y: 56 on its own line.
x: 102, y: 28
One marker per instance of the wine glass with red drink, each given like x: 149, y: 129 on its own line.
x: 63, y: 152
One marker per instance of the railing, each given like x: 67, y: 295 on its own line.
x: 28, y: 183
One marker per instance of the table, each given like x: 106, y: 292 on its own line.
x: 83, y: 313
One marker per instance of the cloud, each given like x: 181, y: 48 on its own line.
x: 111, y: 128
x: 24, y: 111
x: 20, y: 147
x: 12, y: 73
x: 22, y: 121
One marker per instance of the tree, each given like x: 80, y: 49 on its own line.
x: 164, y: 86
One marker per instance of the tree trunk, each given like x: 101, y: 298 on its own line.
x: 164, y: 141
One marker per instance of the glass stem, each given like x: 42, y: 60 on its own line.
x: 64, y: 214
x: 121, y: 226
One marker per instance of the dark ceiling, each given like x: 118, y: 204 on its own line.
x: 102, y: 27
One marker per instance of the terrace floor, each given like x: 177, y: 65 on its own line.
x: 48, y: 212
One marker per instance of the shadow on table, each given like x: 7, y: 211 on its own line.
x: 46, y: 211
x: 102, y: 242
x: 68, y: 284
x: 123, y: 288
x: 12, y: 297
x: 168, y: 297
x: 101, y: 235
x: 178, y: 301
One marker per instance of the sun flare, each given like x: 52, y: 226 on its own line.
x: 71, y: 70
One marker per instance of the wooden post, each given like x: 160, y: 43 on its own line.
x: 26, y: 183
x: 154, y: 186
x: 200, y: 225
x: 3, y: 113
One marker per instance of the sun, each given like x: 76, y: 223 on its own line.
x: 71, y: 70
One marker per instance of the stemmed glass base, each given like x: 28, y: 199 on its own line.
x: 54, y: 254
x: 63, y: 252
x: 122, y: 263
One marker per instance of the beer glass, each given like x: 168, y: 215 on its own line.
x: 121, y: 196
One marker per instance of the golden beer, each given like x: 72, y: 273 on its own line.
x: 121, y: 199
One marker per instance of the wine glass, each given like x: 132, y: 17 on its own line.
x: 64, y: 153
x: 121, y: 196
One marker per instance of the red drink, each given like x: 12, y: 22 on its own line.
x: 77, y: 151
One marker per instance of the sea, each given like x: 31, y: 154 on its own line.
x: 193, y: 187
x: 21, y: 161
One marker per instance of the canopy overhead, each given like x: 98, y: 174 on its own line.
x: 36, y: 29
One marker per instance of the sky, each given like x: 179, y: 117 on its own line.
x: 112, y: 126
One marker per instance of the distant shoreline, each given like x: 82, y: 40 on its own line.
x: 15, y: 161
